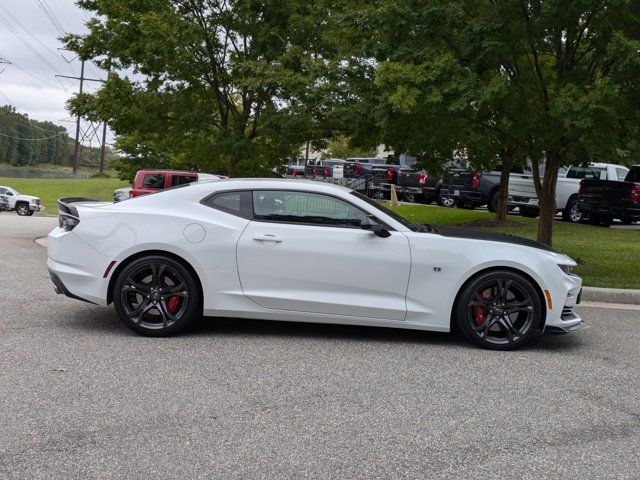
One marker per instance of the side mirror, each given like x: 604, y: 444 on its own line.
x: 374, y: 227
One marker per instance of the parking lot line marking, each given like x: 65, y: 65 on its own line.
x: 615, y: 306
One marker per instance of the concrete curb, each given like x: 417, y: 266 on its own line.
x: 611, y: 295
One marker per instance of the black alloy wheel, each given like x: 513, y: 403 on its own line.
x: 445, y: 201
x: 409, y: 197
x: 500, y: 310
x: 156, y: 296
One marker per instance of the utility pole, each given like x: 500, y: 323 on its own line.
x: 76, y: 146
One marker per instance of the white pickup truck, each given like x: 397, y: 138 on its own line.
x: 522, y: 192
x: 22, y: 204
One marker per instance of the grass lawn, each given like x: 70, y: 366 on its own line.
x: 607, y: 257
x: 49, y: 190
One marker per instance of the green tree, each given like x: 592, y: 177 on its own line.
x: 554, y: 80
x: 231, y: 86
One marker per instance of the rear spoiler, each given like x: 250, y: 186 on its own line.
x: 65, y: 205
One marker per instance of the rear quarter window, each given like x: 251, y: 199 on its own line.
x: 153, y: 180
x: 236, y: 203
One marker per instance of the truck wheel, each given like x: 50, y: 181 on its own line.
x: 494, y: 201
x: 571, y: 213
x: 22, y: 209
x: 410, y: 197
x: 529, y: 212
x: 444, y: 201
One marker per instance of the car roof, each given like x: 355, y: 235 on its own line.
x: 276, y: 183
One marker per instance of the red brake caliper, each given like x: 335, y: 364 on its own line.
x: 479, y: 313
x: 172, y: 304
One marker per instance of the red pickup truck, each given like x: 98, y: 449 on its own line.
x: 150, y: 181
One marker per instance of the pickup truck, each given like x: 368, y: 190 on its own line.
x: 471, y: 189
x: 419, y: 186
x: 604, y: 200
x: 151, y: 181
x: 24, y: 205
x: 522, y: 192
x: 322, y: 168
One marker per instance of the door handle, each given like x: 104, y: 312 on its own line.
x: 267, y: 238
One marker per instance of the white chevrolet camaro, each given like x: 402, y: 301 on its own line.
x: 307, y: 252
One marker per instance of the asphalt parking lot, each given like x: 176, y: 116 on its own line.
x: 83, y: 397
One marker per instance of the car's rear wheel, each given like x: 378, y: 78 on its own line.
x: 445, y: 201
x: 156, y: 296
x: 500, y: 310
x: 494, y: 202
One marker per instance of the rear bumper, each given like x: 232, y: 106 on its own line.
x: 520, y: 201
x: 617, y: 212
x: 469, y: 195
x: 76, y: 268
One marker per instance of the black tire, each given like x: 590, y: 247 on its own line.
x: 443, y: 201
x: 494, y: 200
x: 410, y: 197
x: 30, y: 213
x: 529, y: 212
x: 160, y: 314
x: 571, y: 213
x: 483, y: 305
x: 22, y: 209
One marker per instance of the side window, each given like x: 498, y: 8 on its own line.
x: 307, y: 208
x: 621, y: 173
x: 153, y: 180
x: 177, y: 180
x: 3, y: 191
x: 236, y: 203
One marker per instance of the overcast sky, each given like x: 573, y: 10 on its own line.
x: 29, y: 40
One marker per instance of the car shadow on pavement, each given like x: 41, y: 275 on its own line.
x: 105, y: 321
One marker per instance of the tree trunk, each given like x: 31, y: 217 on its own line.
x: 547, y: 197
x: 506, y: 156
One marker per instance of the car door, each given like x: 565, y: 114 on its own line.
x: 305, y: 252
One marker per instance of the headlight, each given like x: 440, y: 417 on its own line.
x: 566, y: 269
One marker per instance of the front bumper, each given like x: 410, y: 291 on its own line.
x: 34, y: 207
x: 566, y: 320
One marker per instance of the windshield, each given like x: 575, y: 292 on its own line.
x: 415, y: 227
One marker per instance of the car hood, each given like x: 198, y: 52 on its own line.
x: 459, y: 232
x: 29, y: 198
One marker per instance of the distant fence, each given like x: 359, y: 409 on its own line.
x: 38, y: 173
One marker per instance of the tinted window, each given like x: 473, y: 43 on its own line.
x: 236, y: 203
x: 621, y: 173
x: 177, y: 180
x: 590, y: 173
x: 153, y: 180
x: 303, y: 207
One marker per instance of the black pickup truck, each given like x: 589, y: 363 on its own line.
x: 604, y: 200
x: 418, y: 186
x: 469, y: 189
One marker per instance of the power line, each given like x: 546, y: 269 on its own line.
x: 26, y: 43
x: 63, y: 88
x: 46, y: 9
x: 33, y: 139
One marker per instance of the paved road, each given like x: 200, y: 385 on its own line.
x: 83, y: 397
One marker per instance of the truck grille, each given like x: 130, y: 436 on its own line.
x: 37, y: 201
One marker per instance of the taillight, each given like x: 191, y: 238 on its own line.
x: 476, y: 179
x: 314, y: 171
x: 635, y: 194
x: 389, y: 174
x: 295, y: 173
x: 67, y: 222
x: 422, y: 177
x: 357, y: 169
x: 325, y: 172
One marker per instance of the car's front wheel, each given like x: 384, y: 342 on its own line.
x: 156, y: 296
x: 22, y: 209
x: 500, y: 310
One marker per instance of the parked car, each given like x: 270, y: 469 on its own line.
x: 121, y: 194
x: 249, y: 248
x: 522, y: 192
x: 604, y: 200
x: 151, y: 181
x: 24, y: 205
x: 419, y: 186
x: 472, y: 189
